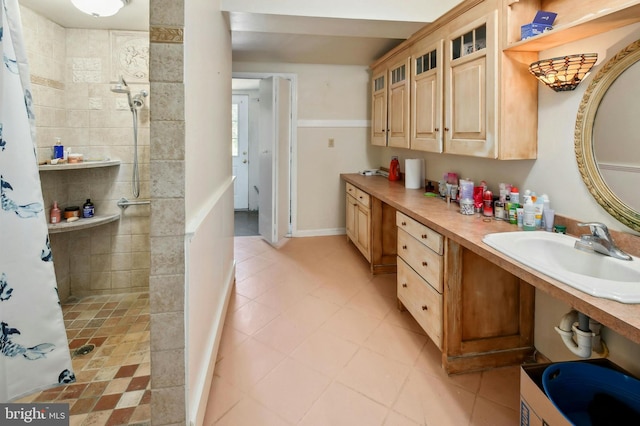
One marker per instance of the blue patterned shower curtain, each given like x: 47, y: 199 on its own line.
x: 34, y: 352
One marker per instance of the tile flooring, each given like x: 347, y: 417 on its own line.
x: 112, y: 380
x: 312, y: 338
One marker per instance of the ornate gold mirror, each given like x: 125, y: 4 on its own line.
x: 607, y: 136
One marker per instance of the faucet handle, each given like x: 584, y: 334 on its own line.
x: 597, y: 229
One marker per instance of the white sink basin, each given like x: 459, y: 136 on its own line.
x: 554, y: 255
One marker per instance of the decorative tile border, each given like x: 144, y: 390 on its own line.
x: 166, y: 35
x: 41, y: 81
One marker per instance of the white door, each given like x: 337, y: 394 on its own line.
x: 275, y: 135
x: 240, y: 151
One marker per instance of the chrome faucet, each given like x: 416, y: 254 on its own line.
x: 599, y: 240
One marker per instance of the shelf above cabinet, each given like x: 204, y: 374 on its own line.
x: 80, y: 224
x: 82, y: 165
x: 592, y: 24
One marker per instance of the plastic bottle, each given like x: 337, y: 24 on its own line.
x: 88, y: 210
x: 55, y: 214
x: 515, y: 195
x: 58, y: 149
x: 529, y: 217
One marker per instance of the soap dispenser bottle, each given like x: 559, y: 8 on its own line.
x: 394, y: 169
x: 56, y: 214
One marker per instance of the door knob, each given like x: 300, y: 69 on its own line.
x: 244, y: 161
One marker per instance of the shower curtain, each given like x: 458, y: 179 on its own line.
x: 34, y: 353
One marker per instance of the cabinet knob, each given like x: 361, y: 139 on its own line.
x: 404, y: 223
x: 446, y: 129
x: 404, y: 285
x: 404, y: 247
x: 424, y: 236
x: 436, y: 129
x: 424, y: 263
x: 425, y: 308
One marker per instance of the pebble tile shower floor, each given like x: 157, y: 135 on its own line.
x: 109, y: 342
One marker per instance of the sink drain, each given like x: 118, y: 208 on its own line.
x: 83, y: 350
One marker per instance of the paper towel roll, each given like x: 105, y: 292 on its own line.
x: 413, y: 173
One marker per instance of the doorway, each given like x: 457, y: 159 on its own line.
x: 268, y: 100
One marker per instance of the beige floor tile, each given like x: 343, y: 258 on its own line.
x: 249, y: 363
x: 403, y: 319
x: 351, y: 325
x: 237, y: 300
x: 130, y: 399
x: 396, y: 419
x: 283, y: 334
x: 230, y: 340
x: 222, y: 397
x: 375, y: 376
x: 428, y: 400
x: 489, y: 413
x: 371, y: 304
x: 290, y: 389
x: 252, y: 287
x: 336, y: 292
x: 282, y: 296
x: 502, y: 385
x: 430, y: 362
x: 384, y: 284
x: 396, y: 343
x: 311, y: 311
x: 249, y: 412
x: 117, y: 385
x: 251, y: 317
x: 325, y: 353
x: 342, y: 406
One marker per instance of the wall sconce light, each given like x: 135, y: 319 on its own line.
x: 565, y: 72
x: 100, y: 8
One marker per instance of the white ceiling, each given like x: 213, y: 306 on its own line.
x: 349, y: 32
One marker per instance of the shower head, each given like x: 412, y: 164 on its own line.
x: 138, y: 100
x: 121, y: 86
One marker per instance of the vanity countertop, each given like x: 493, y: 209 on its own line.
x: 469, y: 230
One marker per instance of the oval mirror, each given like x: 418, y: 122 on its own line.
x: 607, y: 136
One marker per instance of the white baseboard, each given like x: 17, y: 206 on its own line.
x: 319, y: 232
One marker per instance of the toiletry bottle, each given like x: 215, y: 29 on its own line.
x: 529, y: 217
x: 56, y: 214
x: 88, y: 209
x: 488, y: 203
x: 515, y: 195
x: 58, y: 149
x: 394, y: 169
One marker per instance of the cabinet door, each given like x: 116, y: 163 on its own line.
x: 398, y: 104
x: 426, y: 98
x: 379, y: 108
x: 470, y: 90
x: 351, y: 216
x: 363, y: 230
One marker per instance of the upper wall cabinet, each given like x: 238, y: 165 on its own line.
x: 426, y: 96
x: 470, y: 89
x: 390, y: 103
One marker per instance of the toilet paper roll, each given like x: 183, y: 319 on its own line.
x: 413, y: 173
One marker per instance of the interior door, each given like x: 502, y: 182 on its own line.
x: 240, y: 151
x: 275, y: 135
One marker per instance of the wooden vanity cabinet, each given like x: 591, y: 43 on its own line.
x: 478, y: 314
x: 488, y: 313
x: 370, y: 226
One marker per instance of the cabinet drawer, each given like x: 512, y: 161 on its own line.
x: 421, y: 300
x: 425, y: 235
x: 424, y: 261
x: 360, y: 196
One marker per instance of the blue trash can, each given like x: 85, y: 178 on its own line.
x: 590, y: 395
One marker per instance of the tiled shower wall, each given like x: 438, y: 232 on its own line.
x: 72, y: 71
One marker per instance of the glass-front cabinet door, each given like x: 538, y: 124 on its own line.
x: 471, y: 89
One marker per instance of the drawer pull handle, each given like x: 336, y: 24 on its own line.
x: 425, y: 236
x: 424, y: 263
x: 425, y: 308
x: 404, y: 285
x: 404, y: 247
x: 404, y: 223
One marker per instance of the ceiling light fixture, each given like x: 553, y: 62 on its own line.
x: 565, y: 72
x: 100, y: 8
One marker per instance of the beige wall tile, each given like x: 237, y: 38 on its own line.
x: 166, y: 293
x: 167, y: 331
x: 167, y: 255
x: 168, y: 179
x: 168, y: 137
x: 171, y: 363
x: 167, y: 404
